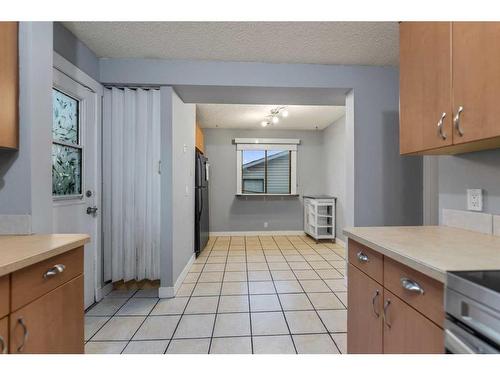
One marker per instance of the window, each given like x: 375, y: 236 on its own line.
x: 66, y: 146
x: 266, y: 168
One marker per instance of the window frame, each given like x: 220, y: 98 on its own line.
x: 266, y: 144
x: 79, y: 145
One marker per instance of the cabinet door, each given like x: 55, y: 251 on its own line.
x: 406, y: 331
x: 476, y: 80
x: 9, y: 67
x: 364, y: 313
x: 51, y: 324
x: 4, y: 335
x: 425, y: 86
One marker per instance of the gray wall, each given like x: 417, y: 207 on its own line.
x: 177, y: 185
x: 334, y: 156
x: 470, y: 171
x: 387, y: 187
x: 231, y: 213
x: 73, y: 50
x: 25, y: 175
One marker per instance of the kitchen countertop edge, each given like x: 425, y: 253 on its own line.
x: 26, y: 260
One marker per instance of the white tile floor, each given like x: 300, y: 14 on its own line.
x: 282, y: 294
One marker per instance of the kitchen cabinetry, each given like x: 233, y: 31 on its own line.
x: 391, y: 308
x: 9, y: 86
x: 200, y: 139
x: 46, y: 312
x: 449, y: 82
x: 364, y: 325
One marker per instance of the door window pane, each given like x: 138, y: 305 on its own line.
x: 65, y: 118
x: 253, y: 171
x: 278, y: 172
x: 66, y: 170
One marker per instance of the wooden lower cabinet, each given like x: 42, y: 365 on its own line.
x: 4, y: 335
x: 364, y: 318
x: 408, y: 331
x: 378, y: 321
x: 54, y: 323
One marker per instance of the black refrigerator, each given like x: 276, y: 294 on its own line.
x: 201, y: 202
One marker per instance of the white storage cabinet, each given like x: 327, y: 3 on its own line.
x: 319, y: 217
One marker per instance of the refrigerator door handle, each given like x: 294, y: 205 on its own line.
x: 201, y: 204
x: 207, y: 169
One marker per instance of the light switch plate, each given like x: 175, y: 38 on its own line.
x: 475, y: 199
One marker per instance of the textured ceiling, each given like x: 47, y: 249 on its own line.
x: 239, y: 116
x: 357, y: 43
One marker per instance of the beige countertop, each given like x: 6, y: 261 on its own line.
x: 432, y: 250
x: 17, y: 252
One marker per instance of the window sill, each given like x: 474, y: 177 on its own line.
x: 267, y: 195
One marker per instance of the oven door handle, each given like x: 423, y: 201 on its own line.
x: 456, y: 345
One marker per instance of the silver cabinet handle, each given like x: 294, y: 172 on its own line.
x: 386, y: 317
x: 3, y: 346
x: 362, y: 257
x: 51, y: 272
x: 377, y: 293
x: 20, y: 348
x: 456, y: 121
x: 411, y: 285
x: 441, y: 133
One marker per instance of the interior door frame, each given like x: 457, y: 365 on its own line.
x: 61, y: 65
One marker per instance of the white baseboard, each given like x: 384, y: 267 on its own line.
x: 260, y: 233
x: 171, y: 291
x: 15, y: 224
x: 340, y: 242
x: 101, y: 292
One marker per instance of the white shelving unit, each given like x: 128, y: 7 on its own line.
x: 319, y: 217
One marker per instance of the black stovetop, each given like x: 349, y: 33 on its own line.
x: 487, y: 279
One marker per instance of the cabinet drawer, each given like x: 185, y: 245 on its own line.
x: 4, y: 335
x: 4, y: 295
x: 53, y: 323
x: 367, y: 260
x: 33, y: 281
x: 429, y: 301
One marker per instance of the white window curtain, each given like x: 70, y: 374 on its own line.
x: 131, y: 178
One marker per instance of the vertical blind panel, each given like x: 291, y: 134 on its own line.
x: 133, y: 117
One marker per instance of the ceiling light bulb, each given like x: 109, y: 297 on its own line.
x: 275, y: 119
x: 264, y: 123
x: 284, y: 113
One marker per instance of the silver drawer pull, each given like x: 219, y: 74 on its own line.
x: 20, y: 348
x: 58, y: 268
x: 411, y: 285
x: 3, y: 346
x: 377, y: 293
x: 386, y: 315
x: 362, y: 257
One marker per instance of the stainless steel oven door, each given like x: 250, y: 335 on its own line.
x: 459, y: 341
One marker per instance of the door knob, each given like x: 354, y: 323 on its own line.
x: 92, y: 210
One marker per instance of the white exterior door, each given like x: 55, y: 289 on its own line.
x: 76, y: 164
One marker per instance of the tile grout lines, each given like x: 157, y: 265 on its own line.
x: 220, y: 293
x: 187, y: 303
x: 278, y: 297
x: 307, y: 295
x: 294, y: 242
x: 248, y: 293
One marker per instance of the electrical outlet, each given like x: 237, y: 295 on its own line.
x: 475, y: 199
x: 265, y: 224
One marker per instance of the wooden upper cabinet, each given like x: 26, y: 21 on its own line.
x: 9, y: 87
x: 425, y: 86
x: 364, y: 317
x: 200, y: 139
x: 476, y: 80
